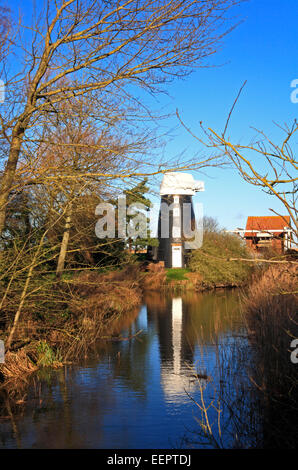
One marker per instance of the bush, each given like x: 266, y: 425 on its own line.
x: 211, y: 261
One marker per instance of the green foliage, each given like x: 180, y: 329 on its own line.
x: 45, y: 355
x: 211, y: 261
x: 177, y: 274
x: 135, y: 196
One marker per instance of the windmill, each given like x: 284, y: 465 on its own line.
x: 176, y: 223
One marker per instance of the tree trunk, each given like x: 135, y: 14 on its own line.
x: 24, y: 293
x: 22, y: 300
x: 63, y: 248
x: 9, y: 172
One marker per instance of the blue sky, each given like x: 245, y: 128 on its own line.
x: 263, y: 51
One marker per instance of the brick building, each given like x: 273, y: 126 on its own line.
x: 272, y: 232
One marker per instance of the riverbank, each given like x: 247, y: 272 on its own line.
x: 66, y: 319
x: 270, y: 313
x: 223, y: 261
x: 158, y: 278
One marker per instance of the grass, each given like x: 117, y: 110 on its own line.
x: 46, y: 357
x: 177, y: 274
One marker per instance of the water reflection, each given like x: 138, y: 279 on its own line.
x: 133, y: 393
x: 184, y: 326
x: 176, y: 353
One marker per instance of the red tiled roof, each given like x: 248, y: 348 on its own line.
x: 266, y: 223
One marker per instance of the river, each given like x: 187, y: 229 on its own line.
x: 147, y: 390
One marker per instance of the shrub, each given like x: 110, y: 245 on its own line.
x: 212, y: 262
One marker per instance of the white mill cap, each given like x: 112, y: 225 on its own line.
x: 177, y: 183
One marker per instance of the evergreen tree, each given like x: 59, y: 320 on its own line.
x: 134, y: 197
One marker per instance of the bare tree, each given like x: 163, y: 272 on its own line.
x: 263, y: 163
x: 268, y: 165
x: 100, y: 47
x: 4, y: 30
x: 70, y: 172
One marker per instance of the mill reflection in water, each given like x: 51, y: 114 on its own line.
x: 186, y: 326
x: 133, y: 393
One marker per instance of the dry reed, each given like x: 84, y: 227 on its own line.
x: 272, y: 319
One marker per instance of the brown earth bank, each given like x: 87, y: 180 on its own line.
x: 156, y: 278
